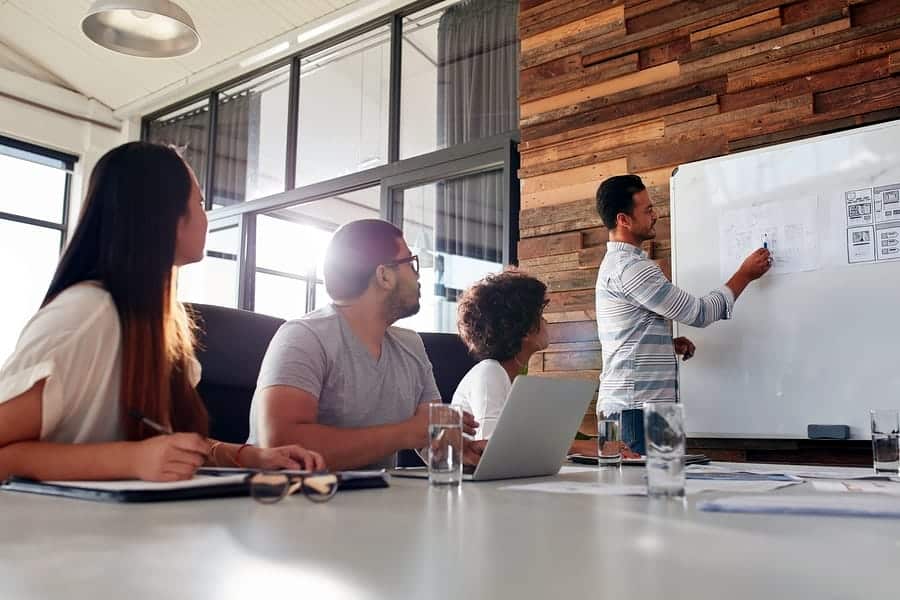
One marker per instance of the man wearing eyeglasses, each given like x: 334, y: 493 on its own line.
x: 342, y: 379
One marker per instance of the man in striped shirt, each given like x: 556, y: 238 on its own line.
x: 636, y: 303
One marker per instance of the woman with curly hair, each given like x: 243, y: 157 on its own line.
x: 500, y: 319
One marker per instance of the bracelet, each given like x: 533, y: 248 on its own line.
x: 212, y: 452
x: 237, y: 455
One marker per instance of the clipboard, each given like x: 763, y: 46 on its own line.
x: 199, y: 488
x: 208, y: 484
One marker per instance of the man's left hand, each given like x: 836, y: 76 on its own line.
x: 472, y: 451
x: 684, y: 348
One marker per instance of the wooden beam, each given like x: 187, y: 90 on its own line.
x: 576, y: 279
x: 822, y: 58
x: 684, y: 26
x: 566, y: 73
x: 575, y: 331
x: 857, y: 99
x: 563, y: 40
x: 815, y: 82
x: 770, y: 44
x: 766, y: 15
x: 738, y: 36
x: 548, y: 245
x: 604, y: 88
x: 566, y: 185
x: 559, y: 12
x: 624, y: 136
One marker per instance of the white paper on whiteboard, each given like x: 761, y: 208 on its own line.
x: 789, y: 228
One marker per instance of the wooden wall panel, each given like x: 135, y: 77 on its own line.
x: 616, y: 86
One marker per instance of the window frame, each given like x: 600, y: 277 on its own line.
x: 68, y: 162
x: 486, y: 154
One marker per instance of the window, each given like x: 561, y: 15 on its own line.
x: 34, y: 189
x: 188, y: 130
x: 411, y: 118
x: 456, y: 228
x: 343, y: 114
x: 460, y: 74
x: 290, y: 250
x: 251, y: 139
x: 214, y: 280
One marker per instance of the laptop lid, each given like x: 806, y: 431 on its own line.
x: 535, y: 428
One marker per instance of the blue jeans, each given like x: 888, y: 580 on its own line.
x: 633, y: 429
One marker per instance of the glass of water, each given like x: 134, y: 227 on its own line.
x: 885, y: 437
x: 609, y: 436
x: 664, y: 433
x: 445, y: 448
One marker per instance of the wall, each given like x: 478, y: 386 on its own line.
x: 42, y: 113
x: 615, y: 86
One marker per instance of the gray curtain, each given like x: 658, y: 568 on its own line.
x: 237, y: 146
x: 190, y: 134
x: 478, y: 82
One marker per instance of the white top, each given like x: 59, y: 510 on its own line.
x: 75, y: 343
x: 483, y: 392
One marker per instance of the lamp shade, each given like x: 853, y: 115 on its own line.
x: 147, y: 28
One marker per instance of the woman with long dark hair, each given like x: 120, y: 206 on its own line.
x: 110, y: 352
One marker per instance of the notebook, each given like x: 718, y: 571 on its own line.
x: 584, y: 459
x: 208, y: 483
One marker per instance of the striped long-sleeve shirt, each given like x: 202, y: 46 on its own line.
x: 635, y: 303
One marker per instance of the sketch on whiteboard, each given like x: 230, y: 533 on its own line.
x: 887, y: 203
x: 859, y: 207
x: 888, y: 243
x: 860, y: 244
x: 788, y: 229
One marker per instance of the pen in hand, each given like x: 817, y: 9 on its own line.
x: 136, y: 414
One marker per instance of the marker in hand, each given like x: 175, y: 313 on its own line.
x: 765, y: 245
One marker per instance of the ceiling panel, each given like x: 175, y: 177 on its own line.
x: 49, y: 33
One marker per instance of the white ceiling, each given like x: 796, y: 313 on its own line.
x: 48, y: 33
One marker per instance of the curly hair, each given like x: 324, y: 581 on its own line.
x: 496, y: 313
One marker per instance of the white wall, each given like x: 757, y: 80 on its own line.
x: 52, y: 130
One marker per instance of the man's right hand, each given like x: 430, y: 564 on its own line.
x: 169, y: 457
x: 756, y: 265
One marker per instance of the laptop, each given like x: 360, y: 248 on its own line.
x: 534, y: 431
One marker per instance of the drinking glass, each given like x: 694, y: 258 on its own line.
x: 445, y: 448
x: 664, y: 433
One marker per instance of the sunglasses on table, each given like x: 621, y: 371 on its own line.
x: 412, y: 260
x: 269, y: 488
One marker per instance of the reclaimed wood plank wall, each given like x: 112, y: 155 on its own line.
x: 640, y: 86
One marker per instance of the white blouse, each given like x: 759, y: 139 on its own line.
x: 75, y: 343
x: 483, y: 392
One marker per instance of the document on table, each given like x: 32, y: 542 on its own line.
x: 857, y: 486
x: 606, y: 489
x: 855, y: 505
x: 579, y: 487
x: 844, y: 473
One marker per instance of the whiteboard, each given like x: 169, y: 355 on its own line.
x: 817, y: 339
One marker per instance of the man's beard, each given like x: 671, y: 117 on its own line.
x: 397, y: 309
x: 649, y: 233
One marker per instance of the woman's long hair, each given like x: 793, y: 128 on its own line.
x: 125, y: 239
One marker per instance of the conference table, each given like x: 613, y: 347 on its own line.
x: 414, y: 541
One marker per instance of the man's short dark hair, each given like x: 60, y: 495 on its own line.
x: 496, y: 313
x: 355, y: 251
x: 616, y: 195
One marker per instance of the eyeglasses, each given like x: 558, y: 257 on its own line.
x: 269, y: 488
x: 412, y: 260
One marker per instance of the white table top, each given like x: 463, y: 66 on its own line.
x: 412, y: 541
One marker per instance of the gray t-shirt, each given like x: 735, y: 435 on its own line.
x: 318, y: 353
